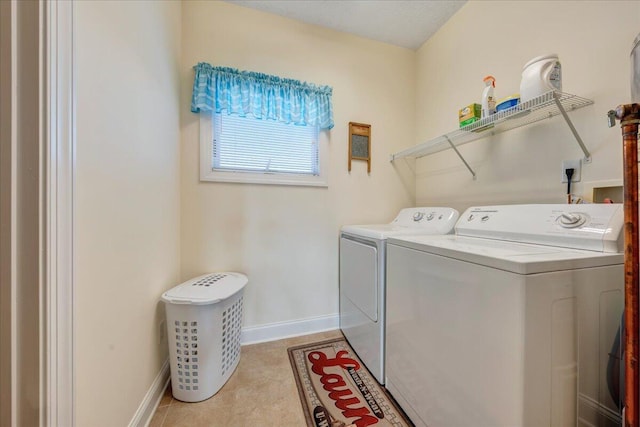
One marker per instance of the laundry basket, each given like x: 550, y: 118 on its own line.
x: 204, y: 320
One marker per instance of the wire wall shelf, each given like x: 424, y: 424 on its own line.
x: 545, y: 106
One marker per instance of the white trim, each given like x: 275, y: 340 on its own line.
x: 60, y: 207
x: 281, y: 330
x: 43, y: 226
x: 13, y: 214
x: 152, y: 399
x: 207, y: 174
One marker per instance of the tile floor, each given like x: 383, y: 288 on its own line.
x: 261, y: 392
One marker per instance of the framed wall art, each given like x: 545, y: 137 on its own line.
x: 360, y: 143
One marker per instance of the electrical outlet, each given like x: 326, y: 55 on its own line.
x: 568, y: 164
x: 162, y: 331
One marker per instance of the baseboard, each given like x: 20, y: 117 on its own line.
x: 280, y: 330
x: 147, y: 408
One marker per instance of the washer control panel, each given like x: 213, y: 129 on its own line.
x: 589, y: 226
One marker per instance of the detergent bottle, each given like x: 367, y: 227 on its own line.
x: 540, y: 75
x: 488, y: 98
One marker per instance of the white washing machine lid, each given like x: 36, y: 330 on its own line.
x: 519, y: 258
x: 409, y: 221
x: 527, y: 239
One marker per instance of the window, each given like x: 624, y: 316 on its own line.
x: 249, y: 150
x: 248, y: 129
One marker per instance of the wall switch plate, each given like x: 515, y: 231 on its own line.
x: 568, y: 164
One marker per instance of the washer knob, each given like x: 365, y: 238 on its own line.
x: 418, y: 216
x: 429, y: 217
x: 571, y: 220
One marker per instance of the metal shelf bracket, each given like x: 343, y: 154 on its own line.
x: 587, y: 155
x: 461, y: 158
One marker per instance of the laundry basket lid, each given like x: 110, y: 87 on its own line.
x: 207, y: 289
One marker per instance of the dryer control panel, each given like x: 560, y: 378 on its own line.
x: 596, y: 227
x: 409, y: 221
x: 444, y: 218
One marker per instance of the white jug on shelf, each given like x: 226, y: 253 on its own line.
x: 540, y: 75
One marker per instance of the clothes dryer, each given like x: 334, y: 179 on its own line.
x: 512, y: 321
x: 362, y: 277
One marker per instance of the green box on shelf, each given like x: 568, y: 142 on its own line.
x: 469, y: 121
x: 469, y: 114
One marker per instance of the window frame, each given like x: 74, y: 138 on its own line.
x: 270, y: 178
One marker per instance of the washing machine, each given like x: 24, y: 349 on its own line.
x: 512, y: 321
x: 362, y: 277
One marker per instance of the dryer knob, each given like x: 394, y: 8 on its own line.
x: 418, y: 216
x: 429, y: 217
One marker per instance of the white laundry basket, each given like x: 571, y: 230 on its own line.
x: 204, y: 320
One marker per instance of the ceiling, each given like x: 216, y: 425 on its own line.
x: 405, y: 23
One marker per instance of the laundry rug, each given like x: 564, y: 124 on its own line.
x: 336, y: 389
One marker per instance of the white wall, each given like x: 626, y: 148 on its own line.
x: 593, y: 40
x: 286, y: 238
x: 128, y: 200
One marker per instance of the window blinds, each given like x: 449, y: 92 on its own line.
x: 264, y: 146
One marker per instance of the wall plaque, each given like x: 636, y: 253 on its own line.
x: 360, y: 143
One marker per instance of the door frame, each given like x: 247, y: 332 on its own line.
x: 60, y: 157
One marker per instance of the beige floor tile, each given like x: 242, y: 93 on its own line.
x: 166, y: 397
x: 159, y: 416
x: 261, y: 392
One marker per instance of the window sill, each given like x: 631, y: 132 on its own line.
x: 263, y: 178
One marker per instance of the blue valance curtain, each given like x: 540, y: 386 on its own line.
x: 262, y: 96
